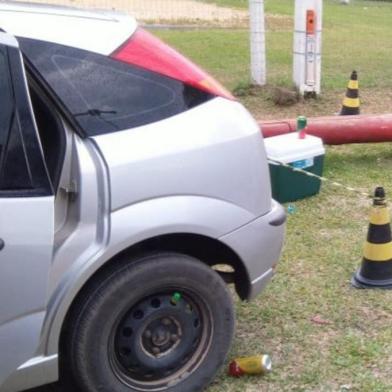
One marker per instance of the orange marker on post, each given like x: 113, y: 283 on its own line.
x: 310, y: 22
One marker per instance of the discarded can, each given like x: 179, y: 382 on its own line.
x: 259, y: 364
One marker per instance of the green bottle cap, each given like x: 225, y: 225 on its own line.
x: 302, y: 121
x: 176, y: 297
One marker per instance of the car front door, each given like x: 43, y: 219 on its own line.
x: 26, y: 217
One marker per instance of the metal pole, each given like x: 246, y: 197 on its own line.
x: 257, y: 42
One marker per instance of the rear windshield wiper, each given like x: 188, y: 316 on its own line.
x: 95, y: 112
x: 99, y: 113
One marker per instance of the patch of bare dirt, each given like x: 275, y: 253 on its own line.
x: 162, y: 10
x: 187, y: 12
x: 329, y: 104
x: 279, y: 22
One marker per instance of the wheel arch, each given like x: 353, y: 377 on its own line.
x: 210, y: 251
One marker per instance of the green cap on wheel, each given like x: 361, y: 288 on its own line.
x: 176, y: 297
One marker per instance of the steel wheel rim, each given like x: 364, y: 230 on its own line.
x: 148, y: 325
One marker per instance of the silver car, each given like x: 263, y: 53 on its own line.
x: 133, y: 187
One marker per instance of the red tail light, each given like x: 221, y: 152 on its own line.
x: 148, y: 52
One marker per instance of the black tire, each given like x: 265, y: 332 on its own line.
x: 164, y: 322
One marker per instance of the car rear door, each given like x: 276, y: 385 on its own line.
x: 26, y: 217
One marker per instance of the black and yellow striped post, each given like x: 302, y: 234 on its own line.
x: 351, y: 100
x: 376, y: 268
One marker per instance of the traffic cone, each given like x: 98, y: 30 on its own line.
x: 351, y: 100
x: 376, y: 268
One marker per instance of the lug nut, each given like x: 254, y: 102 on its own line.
x: 174, y: 338
x: 166, y: 321
x: 156, y: 350
x: 147, y: 334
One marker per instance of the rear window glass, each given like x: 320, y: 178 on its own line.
x: 104, y: 95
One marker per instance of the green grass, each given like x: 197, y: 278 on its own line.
x: 229, y: 3
x: 353, y: 352
x: 323, y: 248
x: 355, y: 37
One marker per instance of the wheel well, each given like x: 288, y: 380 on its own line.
x: 210, y: 251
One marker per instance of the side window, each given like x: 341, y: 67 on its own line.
x: 104, y: 95
x: 22, y: 171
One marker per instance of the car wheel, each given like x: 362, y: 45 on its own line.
x: 162, y: 323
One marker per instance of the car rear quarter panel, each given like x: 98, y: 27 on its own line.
x: 214, y: 150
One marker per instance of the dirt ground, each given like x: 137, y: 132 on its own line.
x: 162, y: 10
x: 329, y: 104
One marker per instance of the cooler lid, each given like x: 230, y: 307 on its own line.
x: 290, y: 148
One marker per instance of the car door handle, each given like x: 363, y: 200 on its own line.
x: 2, y: 244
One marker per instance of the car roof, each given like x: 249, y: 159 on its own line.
x: 97, y: 30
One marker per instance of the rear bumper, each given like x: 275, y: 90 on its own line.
x: 259, y: 244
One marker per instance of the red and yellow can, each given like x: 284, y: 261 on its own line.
x: 258, y: 364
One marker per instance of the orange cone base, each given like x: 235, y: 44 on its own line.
x: 360, y: 282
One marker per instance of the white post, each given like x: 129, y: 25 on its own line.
x: 307, y: 46
x: 257, y: 42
